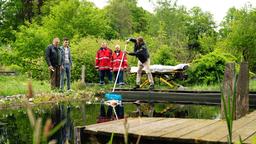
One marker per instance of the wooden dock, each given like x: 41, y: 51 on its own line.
x: 178, y: 97
x: 170, y: 130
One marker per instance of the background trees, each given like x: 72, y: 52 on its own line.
x: 173, y: 33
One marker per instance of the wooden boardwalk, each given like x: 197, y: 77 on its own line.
x: 172, y: 130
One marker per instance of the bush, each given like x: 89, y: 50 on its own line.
x: 207, y: 69
x: 165, y: 56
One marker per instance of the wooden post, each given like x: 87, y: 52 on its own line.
x: 242, y: 97
x: 78, y: 132
x: 83, y: 74
x: 228, y: 85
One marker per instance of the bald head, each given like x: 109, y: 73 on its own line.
x: 56, y: 41
x: 104, y: 45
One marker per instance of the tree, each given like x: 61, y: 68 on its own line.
x: 243, y: 36
x: 200, y: 29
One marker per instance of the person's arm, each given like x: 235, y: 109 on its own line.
x: 47, y: 56
x: 131, y: 40
x: 70, y: 58
x: 125, y: 62
x: 62, y: 53
x: 97, y: 61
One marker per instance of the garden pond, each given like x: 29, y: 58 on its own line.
x: 15, y: 127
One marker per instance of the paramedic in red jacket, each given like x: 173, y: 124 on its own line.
x: 103, y: 63
x: 116, y: 60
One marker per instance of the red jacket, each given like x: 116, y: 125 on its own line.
x: 116, y: 60
x: 103, y: 59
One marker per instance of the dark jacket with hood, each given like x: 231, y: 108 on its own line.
x: 140, y: 51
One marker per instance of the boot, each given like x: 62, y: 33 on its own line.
x: 151, y: 86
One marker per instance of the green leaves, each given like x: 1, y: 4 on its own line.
x: 203, y: 70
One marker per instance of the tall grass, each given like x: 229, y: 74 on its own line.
x: 40, y: 136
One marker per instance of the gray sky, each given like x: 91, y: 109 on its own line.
x: 216, y: 7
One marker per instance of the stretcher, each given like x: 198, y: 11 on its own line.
x: 166, y: 74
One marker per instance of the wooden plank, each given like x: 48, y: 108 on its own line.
x: 221, y: 132
x: 115, y: 126
x: 197, y: 125
x: 197, y: 134
x: 250, y: 139
x: 244, y: 132
x: 180, y: 97
x: 177, y: 126
x: 157, y: 126
x: 140, y: 124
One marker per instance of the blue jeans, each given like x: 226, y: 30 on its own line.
x: 120, y: 76
x: 68, y: 76
x: 108, y: 73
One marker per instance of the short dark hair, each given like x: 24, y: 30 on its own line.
x: 65, y: 39
x: 140, y: 39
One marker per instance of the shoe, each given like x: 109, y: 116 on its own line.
x: 101, y: 83
x: 69, y: 90
x: 137, y: 102
x: 136, y: 87
x: 151, y: 87
x: 121, y: 83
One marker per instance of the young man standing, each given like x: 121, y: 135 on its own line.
x: 141, y: 52
x: 53, y: 59
x: 66, y: 64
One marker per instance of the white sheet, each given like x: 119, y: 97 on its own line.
x: 162, y: 68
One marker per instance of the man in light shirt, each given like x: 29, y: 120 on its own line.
x: 66, y: 63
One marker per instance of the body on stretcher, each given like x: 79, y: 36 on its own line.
x: 166, y: 74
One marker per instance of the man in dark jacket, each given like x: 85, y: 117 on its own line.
x: 53, y: 59
x: 141, y: 52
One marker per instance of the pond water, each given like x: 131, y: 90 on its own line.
x: 15, y: 127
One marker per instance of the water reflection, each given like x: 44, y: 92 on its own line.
x: 15, y: 127
x: 58, y: 114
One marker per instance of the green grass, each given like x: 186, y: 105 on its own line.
x: 205, y: 87
x: 216, y: 87
x: 252, y: 85
x: 12, y: 85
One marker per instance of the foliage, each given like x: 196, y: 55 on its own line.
x: 204, y: 70
x: 239, y: 31
x: 126, y: 17
x: 199, y: 24
x: 172, y: 33
x: 164, y: 56
x: 29, y: 49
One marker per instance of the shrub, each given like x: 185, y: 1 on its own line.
x: 207, y: 69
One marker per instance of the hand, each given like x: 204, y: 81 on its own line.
x: 125, y: 52
x: 51, y: 68
x: 62, y: 67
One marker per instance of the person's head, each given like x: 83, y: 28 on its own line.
x: 140, y: 40
x: 117, y: 47
x: 65, y: 42
x: 56, y: 41
x: 104, y: 45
